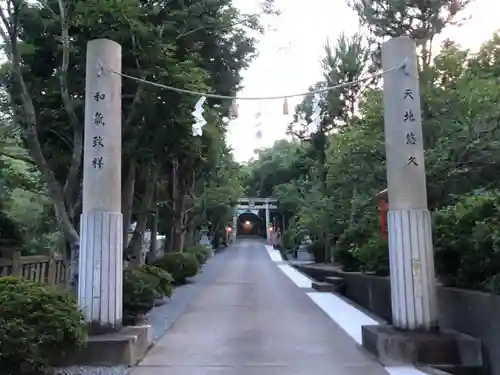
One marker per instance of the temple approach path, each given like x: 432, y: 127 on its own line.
x: 252, y: 319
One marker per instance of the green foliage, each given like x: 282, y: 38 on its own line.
x: 289, y: 239
x: 34, y: 320
x: 467, y: 242
x: 373, y: 256
x: 195, y: 45
x: 23, y: 198
x: 191, y: 265
x: 275, y: 166
x: 214, y: 205
x: 162, y: 278
x: 201, y: 253
x: 179, y: 265
x: 33, y: 215
x: 141, y: 286
x: 328, y: 180
x: 317, y: 249
x: 139, y: 293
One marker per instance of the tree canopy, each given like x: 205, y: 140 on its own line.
x: 189, y: 181
x: 329, y: 180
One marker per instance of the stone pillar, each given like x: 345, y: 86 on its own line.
x: 101, y: 236
x: 413, y: 290
x: 268, y: 222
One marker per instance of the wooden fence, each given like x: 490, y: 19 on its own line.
x: 40, y: 268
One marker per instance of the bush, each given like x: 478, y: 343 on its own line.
x: 289, y: 239
x: 201, y: 252
x: 34, y: 321
x: 361, y: 248
x: 373, y: 256
x: 139, y: 293
x: 467, y: 242
x: 141, y: 286
x: 347, y: 258
x: 179, y: 265
x: 191, y: 265
x: 173, y: 263
x: 162, y: 279
x: 317, y: 249
x: 200, y: 257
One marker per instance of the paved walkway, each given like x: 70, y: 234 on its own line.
x: 253, y: 320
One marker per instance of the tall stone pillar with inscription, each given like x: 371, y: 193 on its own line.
x: 413, y: 291
x: 414, y: 336
x: 101, y: 249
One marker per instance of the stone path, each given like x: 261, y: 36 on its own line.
x: 251, y: 319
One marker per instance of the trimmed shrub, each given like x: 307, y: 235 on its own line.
x: 201, y: 252
x: 141, y: 286
x: 191, y: 265
x: 39, y: 324
x: 179, y: 265
x: 173, y: 263
x: 163, y: 280
x: 139, y: 292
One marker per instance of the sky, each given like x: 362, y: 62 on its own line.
x: 289, y: 60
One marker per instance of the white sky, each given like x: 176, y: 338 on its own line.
x: 289, y: 60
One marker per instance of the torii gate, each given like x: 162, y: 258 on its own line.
x: 253, y: 205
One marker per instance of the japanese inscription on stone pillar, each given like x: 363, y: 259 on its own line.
x: 409, y: 119
x: 97, y: 136
x: 102, y: 146
x: 403, y: 133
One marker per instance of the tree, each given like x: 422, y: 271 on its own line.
x: 165, y: 43
x: 345, y: 62
x: 460, y: 123
x: 420, y: 19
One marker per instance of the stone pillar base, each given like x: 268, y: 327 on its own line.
x: 125, y: 347
x: 413, y: 285
x: 100, y: 284
x: 395, y: 347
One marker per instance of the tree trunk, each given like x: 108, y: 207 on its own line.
x: 154, y: 243
x: 128, y: 191
x: 178, y: 210
x: 171, y: 239
x: 190, y: 234
x: 25, y: 116
x: 173, y: 191
x: 167, y: 227
x: 71, y: 261
x: 180, y: 224
x: 179, y: 239
x: 135, y: 245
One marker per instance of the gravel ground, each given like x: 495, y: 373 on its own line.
x: 161, y: 317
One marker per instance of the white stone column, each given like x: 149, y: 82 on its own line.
x: 268, y: 220
x: 101, y: 249
x: 413, y: 290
